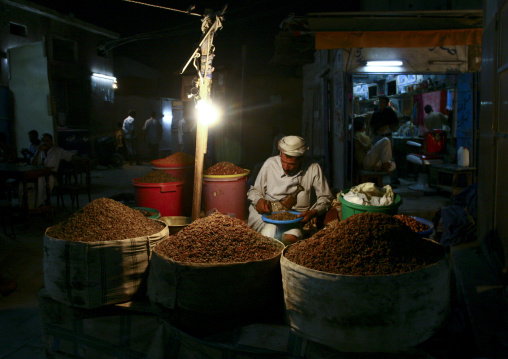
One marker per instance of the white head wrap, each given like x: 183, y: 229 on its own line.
x: 293, y: 146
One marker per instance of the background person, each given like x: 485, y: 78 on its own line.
x: 377, y: 157
x: 182, y: 129
x: 129, y: 128
x: 383, y: 121
x: 279, y: 176
x: 120, y: 140
x: 49, y: 156
x: 29, y: 153
x: 434, y: 120
x: 152, y: 135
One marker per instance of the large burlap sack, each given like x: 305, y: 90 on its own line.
x: 94, y: 274
x: 206, y: 297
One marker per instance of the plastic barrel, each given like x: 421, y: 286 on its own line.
x: 226, y: 194
x: 185, y: 173
x: 164, y: 197
x: 349, y: 209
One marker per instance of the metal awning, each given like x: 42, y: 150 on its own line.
x: 396, y: 29
x: 427, y: 38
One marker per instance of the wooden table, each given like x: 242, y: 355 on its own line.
x: 440, y: 177
x: 27, y: 174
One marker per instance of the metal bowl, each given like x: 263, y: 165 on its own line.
x: 176, y: 223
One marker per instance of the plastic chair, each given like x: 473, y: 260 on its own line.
x: 430, y: 153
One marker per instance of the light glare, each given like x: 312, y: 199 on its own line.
x: 207, y: 114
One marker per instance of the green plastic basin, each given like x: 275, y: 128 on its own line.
x: 349, y: 209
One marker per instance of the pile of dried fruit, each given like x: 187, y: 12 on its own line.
x: 218, y: 239
x: 282, y: 216
x: 414, y: 224
x: 177, y: 158
x: 366, y: 244
x: 157, y: 176
x: 224, y: 168
x: 105, y: 219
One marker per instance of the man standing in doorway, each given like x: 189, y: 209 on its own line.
x: 129, y: 129
x: 383, y: 121
x: 152, y: 134
x: 434, y: 120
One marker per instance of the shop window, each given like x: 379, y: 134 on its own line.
x: 391, y: 88
x: 64, y: 50
x: 18, y: 30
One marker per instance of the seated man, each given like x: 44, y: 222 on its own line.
x: 279, y: 177
x: 377, y: 157
x: 49, y: 156
x: 31, y: 151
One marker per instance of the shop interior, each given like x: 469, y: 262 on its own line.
x: 408, y: 95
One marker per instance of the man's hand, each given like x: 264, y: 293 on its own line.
x: 263, y: 206
x: 308, y: 215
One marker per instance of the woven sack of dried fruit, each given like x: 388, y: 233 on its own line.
x: 217, y: 273
x: 100, y: 255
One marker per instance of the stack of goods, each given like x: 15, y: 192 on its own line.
x: 282, y: 216
x: 374, y: 276
x: 225, y: 190
x: 366, y: 244
x: 88, y: 258
x: 176, y: 159
x: 216, y: 273
x: 225, y: 169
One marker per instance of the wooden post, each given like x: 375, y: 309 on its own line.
x: 201, y: 143
x: 205, y: 83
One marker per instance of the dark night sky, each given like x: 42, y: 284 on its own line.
x: 247, y: 22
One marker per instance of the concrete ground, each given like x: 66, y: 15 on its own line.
x: 21, y: 258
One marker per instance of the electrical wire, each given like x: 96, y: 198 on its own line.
x: 163, y: 7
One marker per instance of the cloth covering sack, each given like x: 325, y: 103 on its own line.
x: 367, y: 194
x: 94, y: 274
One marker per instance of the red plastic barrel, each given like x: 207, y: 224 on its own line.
x: 164, y: 197
x: 226, y: 194
x: 185, y: 173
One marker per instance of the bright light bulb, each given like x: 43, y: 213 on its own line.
x: 384, y: 63
x: 106, y: 77
x: 207, y: 114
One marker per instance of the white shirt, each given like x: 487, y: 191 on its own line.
x: 273, y: 184
x: 128, y: 127
x: 53, y: 157
x: 153, y: 131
